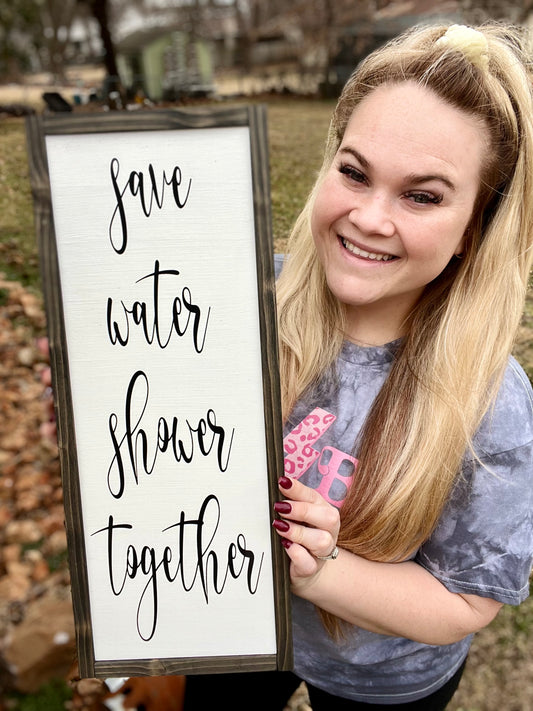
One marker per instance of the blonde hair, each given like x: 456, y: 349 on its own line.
x: 461, y: 332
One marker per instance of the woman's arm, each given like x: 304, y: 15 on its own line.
x: 398, y: 599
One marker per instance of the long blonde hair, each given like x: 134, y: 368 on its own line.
x: 461, y: 332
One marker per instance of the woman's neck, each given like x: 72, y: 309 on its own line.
x: 371, y: 327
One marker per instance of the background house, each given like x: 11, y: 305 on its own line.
x: 166, y: 63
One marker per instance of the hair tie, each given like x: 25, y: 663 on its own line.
x: 472, y: 43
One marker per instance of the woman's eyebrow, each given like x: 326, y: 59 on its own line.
x: 411, y: 179
x: 414, y: 179
x: 362, y: 160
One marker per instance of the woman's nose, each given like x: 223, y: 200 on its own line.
x: 372, y: 214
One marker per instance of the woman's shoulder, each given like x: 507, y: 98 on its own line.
x: 508, y: 423
x: 278, y: 264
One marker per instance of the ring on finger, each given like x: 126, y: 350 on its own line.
x: 334, y: 553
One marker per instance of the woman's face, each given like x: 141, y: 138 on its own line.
x: 394, y: 206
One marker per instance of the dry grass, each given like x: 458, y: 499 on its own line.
x: 297, y: 132
x: 499, y: 676
x: 18, y: 254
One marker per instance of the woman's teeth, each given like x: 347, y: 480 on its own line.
x: 367, y: 255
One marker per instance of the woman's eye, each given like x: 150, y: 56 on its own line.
x: 352, y: 173
x: 425, y: 198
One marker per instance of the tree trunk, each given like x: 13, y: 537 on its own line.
x: 100, y: 11
x: 113, y: 90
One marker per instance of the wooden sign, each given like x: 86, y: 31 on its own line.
x: 157, y: 265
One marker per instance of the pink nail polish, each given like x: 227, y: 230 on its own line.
x: 285, y: 482
x: 282, y: 526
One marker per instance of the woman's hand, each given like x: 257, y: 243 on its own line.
x: 309, y: 527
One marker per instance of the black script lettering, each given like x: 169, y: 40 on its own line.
x: 147, y: 194
x: 194, y: 549
x: 183, y: 439
x: 149, y: 318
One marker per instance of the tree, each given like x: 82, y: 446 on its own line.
x: 56, y: 21
x: 477, y: 11
x: 101, y: 12
x: 16, y: 20
x: 35, y: 35
x: 316, y: 29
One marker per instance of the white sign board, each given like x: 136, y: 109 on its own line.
x: 155, y: 232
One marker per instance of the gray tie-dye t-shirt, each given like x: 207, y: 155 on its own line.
x: 482, y: 545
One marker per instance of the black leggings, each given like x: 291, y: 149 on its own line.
x: 271, y: 691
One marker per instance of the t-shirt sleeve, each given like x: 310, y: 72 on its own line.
x: 278, y: 264
x: 483, y: 542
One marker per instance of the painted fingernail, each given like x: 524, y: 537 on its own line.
x: 282, y: 507
x: 281, y: 525
x: 285, y: 482
x: 286, y: 543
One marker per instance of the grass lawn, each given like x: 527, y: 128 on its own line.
x: 18, y: 257
x: 499, y: 676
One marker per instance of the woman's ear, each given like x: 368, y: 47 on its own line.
x: 461, y: 247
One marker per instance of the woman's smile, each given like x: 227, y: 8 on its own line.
x: 359, y: 252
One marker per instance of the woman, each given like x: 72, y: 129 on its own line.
x: 398, y: 307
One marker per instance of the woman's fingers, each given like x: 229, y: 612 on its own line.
x: 303, y: 563
x: 306, y: 519
x: 316, y: 540
x: 307, y: 506
x: 320, y: 515
x: 294, y: 489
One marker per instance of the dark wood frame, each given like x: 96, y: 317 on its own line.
x: 255, y: 118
